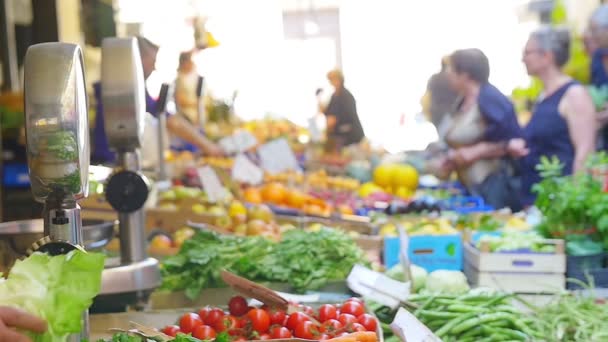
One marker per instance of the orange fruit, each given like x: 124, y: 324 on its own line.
x: 296, y: 199
x: 253, y: 195
x: 274, y: 193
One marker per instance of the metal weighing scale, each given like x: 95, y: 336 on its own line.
x: 129, y: 282
x: 57, y: 141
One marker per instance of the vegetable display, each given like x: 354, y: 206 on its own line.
x: 305, y: 260
x: 516, y: 242
x: 474, y: 316
x: 55, y: 288
x: 347, y: 320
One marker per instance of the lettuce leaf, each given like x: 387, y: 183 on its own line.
x: 55, y: 288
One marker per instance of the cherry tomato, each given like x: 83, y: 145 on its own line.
x: 355, y: 299
x: 347, y: 320
x: 265, y: 337
x: 204, y: 332
x: 260, y: 321
x: 368, y: 321
x: 332, y: 326
x: 327, y: 312
x: 277, y: 332
x: 307, y: 330
x: 213, y: 317
x: 237, y: 306
x: 295, y: 319
x: 203, y: 313
x: 356, y: 327
x: 226, y: 323
x: 171, y: 330
x: 354, y: 308
x: 308, y: 310
x: 189, y: 322
x: 277, y: 316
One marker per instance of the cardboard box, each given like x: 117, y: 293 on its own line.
x: 431, y: 252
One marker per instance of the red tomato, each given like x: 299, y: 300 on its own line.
x: 226, y: 323
x: 260, y: 321
x: 308, y: 310
x: 295, y: 319
x: 280, y: 332
x: 354, y: 308
x: 332, y: 326
x: 243, y: 322
x: 265, y: 337
x: 347, y: 320
x: 171, y: 330
x: 277, y: 316
x: 368, y: 321
x: 213, y: 317
x: 356, y: 327
x: 327, y: 312
x: 355, y: 299
x: 189, y: 322
x: 237, y: 306
x: 204, y: 332
x: 324, y: 337
x: 203, y: 313
x: 307, y: 330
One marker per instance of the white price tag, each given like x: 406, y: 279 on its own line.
x: 245, y: 171
x: 404, y: 242
x: 211, y: 183
x: 238, y: 142
x: 377, y: 286
x: 276, y: 156
x: 410, y: 329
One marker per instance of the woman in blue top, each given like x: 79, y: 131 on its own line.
x: 477, y: 132
x: 597, y: 48
x: 563, y: 122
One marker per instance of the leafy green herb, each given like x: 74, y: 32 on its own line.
x: 305, y: 260
x: 69, y: 183
x: 62, y: 145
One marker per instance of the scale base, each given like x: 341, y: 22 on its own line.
x: 125, y: 286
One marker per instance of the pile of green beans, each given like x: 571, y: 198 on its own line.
x: 472, y: 317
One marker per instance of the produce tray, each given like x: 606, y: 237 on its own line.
x: 163, y: 300
x: 517, y: 282
x: 170, y: 220
x: 485, y: 261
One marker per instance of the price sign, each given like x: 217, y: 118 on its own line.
x: 245, y: 171
x: 276, y: 156
x: 211, y: 183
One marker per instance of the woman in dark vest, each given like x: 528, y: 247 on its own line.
x: 563, y: 121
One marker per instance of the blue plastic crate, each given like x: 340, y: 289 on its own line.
x: 467, y: 205
x: 16, y: 176
x: 431, y: 252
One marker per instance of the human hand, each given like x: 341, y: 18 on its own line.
x: 213, y: 150
x: 463, y: 156
x: 331, y: 121
x: 11, y: 319
x: 517, y: 148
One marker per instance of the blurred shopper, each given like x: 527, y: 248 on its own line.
x: 175, y: 124
x: 478, y: 133
x: 343, y: 125
x: 185, y: 88
x: 563, y: 121
x: 439, y: 98
x: 597, y: 46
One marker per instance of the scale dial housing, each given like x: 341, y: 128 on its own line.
x: 127, y: 191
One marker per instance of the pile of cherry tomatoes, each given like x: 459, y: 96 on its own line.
x: 244, y: 323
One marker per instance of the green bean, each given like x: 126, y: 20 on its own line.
x: 465, y: 308
x: 482, y: 319
x: 438, y: 314
x: 424, y: 305
x: 454, y: 322
x: 510, y: 333
x: 496, y: 300
x: 472, y: 332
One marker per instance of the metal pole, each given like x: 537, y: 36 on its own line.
x: 9, y: 49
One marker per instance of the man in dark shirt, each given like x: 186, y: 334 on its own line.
x: 343, y: 125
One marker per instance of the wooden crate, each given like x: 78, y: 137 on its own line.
x: 517, y: 282
x: 485, y: 261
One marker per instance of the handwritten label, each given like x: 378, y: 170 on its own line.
x: 377, y: 286
x: 238, y: 142
x: 276, y: 156
x: 410, y: 329
x: 245, y: 171
x: 211, y: 183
